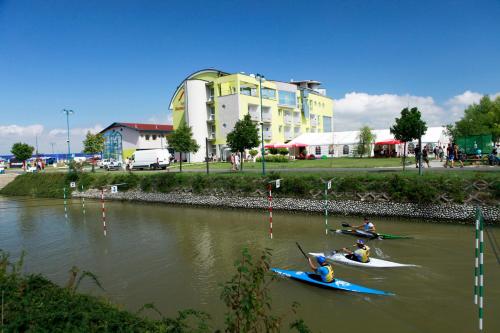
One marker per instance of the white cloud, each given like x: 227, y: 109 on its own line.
x: 379, y: 111
x: 77, y: 131
x: 163, y: 118
x: 20, y: 132
x: 9, y: 134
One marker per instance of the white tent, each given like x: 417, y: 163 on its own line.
x: 345, y: 143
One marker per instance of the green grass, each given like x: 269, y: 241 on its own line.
x: 343, y: 162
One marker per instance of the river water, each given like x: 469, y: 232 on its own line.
x: 177, y: 257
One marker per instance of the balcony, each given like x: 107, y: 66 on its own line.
x: 314, y: 121
x: 210, y: 99
x: 296, y: 131
x: 211, y: 136
x: 288, y: 118
x: 211, y: 117
x: 266, y: 116
x: 296, y: 118
x: 288, y: 133
x: 268, y: 135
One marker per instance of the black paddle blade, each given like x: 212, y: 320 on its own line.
x: 298, y: 245
x: 346, y: 225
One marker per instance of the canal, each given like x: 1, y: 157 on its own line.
x: 177, y: 257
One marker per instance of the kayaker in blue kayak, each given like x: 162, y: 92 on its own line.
x: 324, y: 270
x: 361, y: 254
x: 366, y: 226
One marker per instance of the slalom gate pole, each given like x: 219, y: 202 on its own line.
x: 476, y: 261
x: 326, y: 208
x: 270, y: 198
x: 103, y: 212
x: 65, y: 204
x: 83, y: 203
x: 481, y: 269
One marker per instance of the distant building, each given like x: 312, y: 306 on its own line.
x: 212, y: 101
x: 345, y: 144
x: 122, y: 139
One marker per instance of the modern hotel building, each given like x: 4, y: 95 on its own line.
x: 212, y: 101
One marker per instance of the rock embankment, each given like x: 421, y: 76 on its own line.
x: 444, y: 212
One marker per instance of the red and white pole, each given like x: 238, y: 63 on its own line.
x: 103, y: 212
x: 270, y: 198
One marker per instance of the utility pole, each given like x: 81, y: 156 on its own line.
x: 261, y: 77
x: 52, y: 144
x: 68, y: 113
x: 36, y: 144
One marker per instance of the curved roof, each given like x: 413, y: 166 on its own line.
x: 192, y: 75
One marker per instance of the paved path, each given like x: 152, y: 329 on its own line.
x: 6, y: 178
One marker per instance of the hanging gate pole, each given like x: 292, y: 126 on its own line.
x: 83, y: 202
x: 103, y: 212
x: 65, y: 204
x: 481, y: 272
x: 270, y: 199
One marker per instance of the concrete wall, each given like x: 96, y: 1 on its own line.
x: 196, y: 116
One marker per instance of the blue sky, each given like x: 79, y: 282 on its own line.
x: 121, y: 60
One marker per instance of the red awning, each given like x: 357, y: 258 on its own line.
x: 388, y: 142
x: 269, y: 146
x: 298, y: 145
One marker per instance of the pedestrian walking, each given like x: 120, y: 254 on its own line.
x: 460, y: 155
x: 441, y: 153
x: 425, y: 155
x: 232, y: 162
x: 237, y: 161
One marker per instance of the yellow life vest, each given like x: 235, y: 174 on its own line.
x: 363, y: 254
x: 329, y: 276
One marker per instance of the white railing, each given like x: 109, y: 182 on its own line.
x: 268, y: 135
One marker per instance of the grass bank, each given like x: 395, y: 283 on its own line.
x: 398, y: 186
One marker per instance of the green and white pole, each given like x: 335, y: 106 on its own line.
x: 65, y: 204
x: 476, y: 264
x: 481, y: 271
x: 83, y: 202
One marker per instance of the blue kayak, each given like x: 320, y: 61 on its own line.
x: 336, y: 284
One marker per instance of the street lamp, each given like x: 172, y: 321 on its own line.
x: 262, y: 78
x: 68, y: 113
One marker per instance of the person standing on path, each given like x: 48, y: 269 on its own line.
x: 459, y: 156
x: 237, y: 161
x: 425, y: 155
x: 441, y: 153
x: 232, y: 162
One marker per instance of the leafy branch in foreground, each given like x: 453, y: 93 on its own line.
x: 247, y: 297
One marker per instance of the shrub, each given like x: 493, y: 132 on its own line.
x: 311, y: 157
x: 283, y: 151
x: 274, y: 158
x: 272, y: 151
x: 253, y: 152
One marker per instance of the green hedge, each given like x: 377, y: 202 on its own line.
x: 401, y: 187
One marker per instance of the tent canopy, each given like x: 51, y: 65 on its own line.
x: 285, y: 145
x: 388, y: 142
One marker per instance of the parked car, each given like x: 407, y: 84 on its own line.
x: 113, y: 165
x: 102, y: 163
x: 15, y: 163
x: 150, y: 159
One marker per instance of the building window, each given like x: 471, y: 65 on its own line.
x: 345, y: 150
x: 147, y: 137
x: 318, y: 150
x: 268, y: 93
x: 287, y: 98
x: 154, y: 137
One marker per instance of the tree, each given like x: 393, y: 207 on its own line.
x: 482, y: 118
x: 245, y: 135
x: 410, y: 126
x: 93, y: 144
x: 182, y: 141
x: 366, y: 138
x: 22, y: 151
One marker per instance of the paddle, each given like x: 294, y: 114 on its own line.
x: 305, y: 255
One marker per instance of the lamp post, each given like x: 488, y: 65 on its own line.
x: 68, y: 113
x: 261, y: 78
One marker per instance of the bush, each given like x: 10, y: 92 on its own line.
x: 253, y: 152
x: 311, y: 157
x: 272, y: 151
x: 283, y: 151
x: 274, y: 158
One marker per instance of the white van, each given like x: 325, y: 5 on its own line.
x: 150, y: 159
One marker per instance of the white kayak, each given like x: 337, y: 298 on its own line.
x: 373, y: 263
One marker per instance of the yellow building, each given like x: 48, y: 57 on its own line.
x: 212, y: 101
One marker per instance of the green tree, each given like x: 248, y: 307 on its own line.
x: 93, y: 144
x: 366, y: 139
x: 482, y: 118
x: 245, y: 135
x: 409, y: 127
x: 22, y: 151
x: 248, y: 298
x: 182, y: 141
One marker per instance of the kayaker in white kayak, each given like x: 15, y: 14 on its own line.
x: 366, y: 226
x: 324, y: 270
x: 361, y: 254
